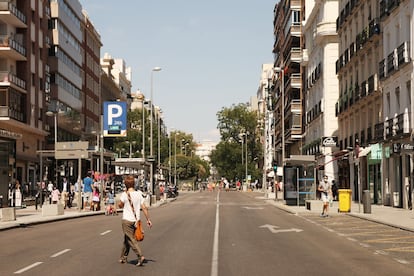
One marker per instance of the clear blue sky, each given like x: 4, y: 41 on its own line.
x: 210, y: 53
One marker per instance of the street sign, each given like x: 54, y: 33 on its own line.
x: 71, y: 154
x: 115, y: 119
x: 82, y: 145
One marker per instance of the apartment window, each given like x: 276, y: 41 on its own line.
x: 397, y: 99
x: 296, y: 18
x: 408, y: 89
x: 388, y: 103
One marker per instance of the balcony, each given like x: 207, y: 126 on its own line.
x: 295, y: 55
x: 403, y: 55
x: 15, y: 107
x: 397, y: 127
x: 12, y: 49
x: 11, y: 15
x: 379, y: 132
x: 295, y: 80
x: 293, y: 134
x: 363, y: 90
x: 390, y: 63
x: 382, y: 69
x: 372, y: 83
x: 296, y: 106
x: 387, y: 6
x: 374, y: 27
x: 324, y: 29
x: 7, y: 78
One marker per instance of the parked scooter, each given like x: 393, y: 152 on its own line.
x: 171, y: 191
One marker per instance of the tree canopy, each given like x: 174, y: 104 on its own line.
x: 239, y: 145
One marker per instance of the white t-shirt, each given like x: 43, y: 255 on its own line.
x: 137, y: 199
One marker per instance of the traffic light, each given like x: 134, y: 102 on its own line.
x: 274, y: 166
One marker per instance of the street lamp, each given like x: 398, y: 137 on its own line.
x: 175, y: 159
x: 159, y: 139
x: 155, y: 69
x: 130, y: 147
x: 54, y: 114
x: 143, y: 129
x: 282, y: 71
x: 243, y: 136
x: 169, y: 159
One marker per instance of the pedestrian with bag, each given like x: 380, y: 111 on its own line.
x: 132, y: 201
x: 326, y: 194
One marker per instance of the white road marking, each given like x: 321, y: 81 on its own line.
x: 214, y: 259
x: 402, y: 261
x: 60, y: 253
x: 275, y: 229
x: 27, y: 268
x: 253, y: 208
x: 106, y: 232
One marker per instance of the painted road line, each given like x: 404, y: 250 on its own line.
x: 60, y: 253
x: 27, y: 268
x: 106, y: 232
x: 214, y: 259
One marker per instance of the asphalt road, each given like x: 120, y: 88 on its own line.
x: 208, y: 233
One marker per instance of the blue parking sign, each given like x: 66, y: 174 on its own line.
x: 115, y: 119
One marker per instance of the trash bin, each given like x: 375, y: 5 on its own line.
x: 344, y: 196
x: 366, y: 201
x: 396, y: 199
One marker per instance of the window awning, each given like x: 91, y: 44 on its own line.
x: 364, y: 152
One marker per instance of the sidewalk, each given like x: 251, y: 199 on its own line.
x: 395, y: 217
x: 29, y: 215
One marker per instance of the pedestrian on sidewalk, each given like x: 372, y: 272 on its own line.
x: 55, y: 195
x: 132, y: 201
x: 326, y: 192
x: 87, y: 191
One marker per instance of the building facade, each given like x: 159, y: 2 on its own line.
x: 396, y: 82
x: 24, y: 90
x: 321, y: 85
x: 287, y: 87
x: 359, y: 107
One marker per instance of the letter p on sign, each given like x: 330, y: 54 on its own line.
x: 115, y: 119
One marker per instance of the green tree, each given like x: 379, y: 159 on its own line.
x: 189, y: 166
x: 237, y: 126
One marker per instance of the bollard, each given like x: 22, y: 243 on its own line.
x: 366, y: 200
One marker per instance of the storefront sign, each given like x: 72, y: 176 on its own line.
x: 10, y: 134
x: 407, y: 147
x: 329, y: 141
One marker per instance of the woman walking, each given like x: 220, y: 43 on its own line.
x: 132, y: 201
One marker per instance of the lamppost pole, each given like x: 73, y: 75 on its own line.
x: 283, y: 118
x: 159, y: 140
x: 282, y: 72
x: 247, y: 133
x: 175, y: 159
x: 54, y: 114
x: 155, y: 69
x: 143, y: 129
x: 169, y: 159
